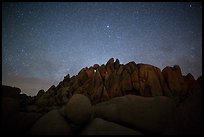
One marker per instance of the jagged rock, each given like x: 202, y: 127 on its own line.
x: 110, y: 66
x: 95, y: 66
x: 97, y: 79
x: 102, y: 71
x: 101, y: 127
x: 78, y: 109
x: 82, y: 76
x: 117, y: 64
x: 51, y: 91
x: 90, y: 72
x: 110, y: 63
x: 102, y: 83
x: 51, y: 123
x: 131, y: 66
x: 149, y: 115
x: 40, y: 93
x: 175, y: 80
x: 120, y: 69
x: 66, y: 78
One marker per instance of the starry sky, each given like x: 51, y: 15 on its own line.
x: 43, y: 42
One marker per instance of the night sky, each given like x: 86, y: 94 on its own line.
x: 43, y: 42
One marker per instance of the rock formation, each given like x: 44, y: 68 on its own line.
x: 136, y: 98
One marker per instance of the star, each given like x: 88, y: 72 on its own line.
x: 107, y: 26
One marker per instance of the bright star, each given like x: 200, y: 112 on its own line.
x: 107, y: 26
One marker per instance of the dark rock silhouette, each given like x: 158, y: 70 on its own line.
x: 137, y: 98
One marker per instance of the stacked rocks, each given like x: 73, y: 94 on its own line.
x: 104, y: 82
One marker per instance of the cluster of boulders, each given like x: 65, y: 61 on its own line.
x: 113, y: 99
x: 102, y: 83
x: 78, y: 116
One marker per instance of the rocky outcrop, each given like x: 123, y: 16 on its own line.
x: 104, y: 82
x: 131, y: 96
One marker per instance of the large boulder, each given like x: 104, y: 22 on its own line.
x: 101, y: 127
x: 146, y: 114
x: 51, y: 123
x: 78, y: 110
